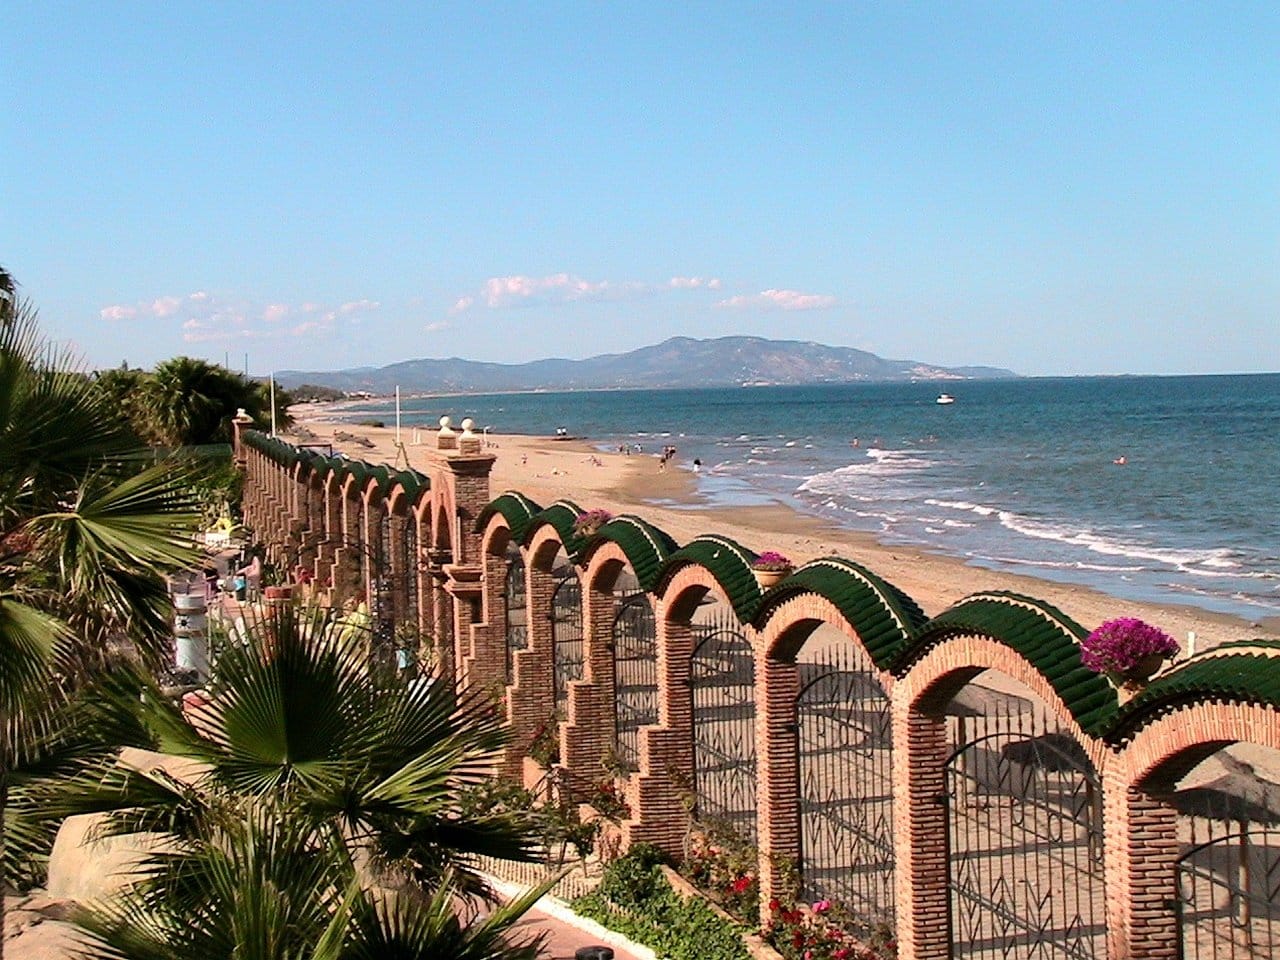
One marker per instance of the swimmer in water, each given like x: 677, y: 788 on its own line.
x: 1120, y: 461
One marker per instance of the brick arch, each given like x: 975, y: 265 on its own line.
x: 530, y: 695
x: 792, y: 622
x: 951, y: 663
x: 681, y: 593
x: 659, y: 815
x: 922, y: 751
x: 789, y: 626
x: 1178, y: 740
x: 605, y: 564
x: 1142, y: 828
x: 495, y: 536
x: 589, y: 732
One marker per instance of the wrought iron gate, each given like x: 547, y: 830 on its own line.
x: 635, y: 675
x: 845, y: 751
x: 1025, y: 849
x: 517, y: 607
x: 566, y: 635
x: 1229, y: 896
x: 722, y: 677
x: 410, y: 566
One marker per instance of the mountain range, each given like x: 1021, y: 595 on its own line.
x: 677, y: 362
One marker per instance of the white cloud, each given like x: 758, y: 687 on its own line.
x: 166, y: 306
x: 436, y: 326
x: 558, y: 287
x: 779, y: 300
x: 204, y: 316
x: 523, y: 290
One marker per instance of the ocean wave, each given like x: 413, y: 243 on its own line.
x: 977, y: 508
x: 880, y: 463
x: 1061, y: 564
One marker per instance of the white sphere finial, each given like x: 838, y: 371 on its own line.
x: 444, y: 423
x: 467, y: 424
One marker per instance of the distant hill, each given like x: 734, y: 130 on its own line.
x: 678, y: 362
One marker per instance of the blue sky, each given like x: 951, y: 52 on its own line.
x: 1055, y: 188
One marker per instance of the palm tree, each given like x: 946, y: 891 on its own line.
x: 330, y: 766
x: 190, y: 401
x: 85, y: 539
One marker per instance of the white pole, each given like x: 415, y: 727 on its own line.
x: 273, y: 404
x: 397, y: 414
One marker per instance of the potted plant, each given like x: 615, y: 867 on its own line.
x: 588, y: 524
x: 1127, y: 650
x: 770, y: 568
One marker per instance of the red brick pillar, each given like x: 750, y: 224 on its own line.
x: 591, y: 728
x: 531, y: 696
x: 661, y: 788
x: 920, y: 751
x: 327, y: 548
x: 240, y: 423
x: 778, y: 766
x: 486, y: 664
x: 1141, y: 850
x: 346, y: 554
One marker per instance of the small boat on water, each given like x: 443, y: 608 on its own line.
x: 945, y: 398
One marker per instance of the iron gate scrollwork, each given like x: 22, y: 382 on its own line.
x: 1025, y: 849
x: 722, y: 677
x: 517, y: 607
x: 844, y: 734
x: 1229, y: 895
x: 566, y: 635
x: 635, y: 672
x: 411, y: 568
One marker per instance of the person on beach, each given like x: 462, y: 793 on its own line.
x: 697, y: 465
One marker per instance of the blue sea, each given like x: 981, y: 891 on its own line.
x: 1017, y: 475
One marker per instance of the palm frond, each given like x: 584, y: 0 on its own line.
x: 29, y: 641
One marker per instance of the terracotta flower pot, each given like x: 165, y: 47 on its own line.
x: 770, y: 578
x: 1144, y: 669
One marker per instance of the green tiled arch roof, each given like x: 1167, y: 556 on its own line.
x: 1046, y: 637
x: 560, y: 515
x: 356, y: 469
x: 646, y: 546
x: 729, y: 563
x: 517, y: 509
x: 412, y: 481
x: 885, y: 617
x: 1245, y: 671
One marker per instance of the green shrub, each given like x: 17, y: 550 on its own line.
x: 635, y: 899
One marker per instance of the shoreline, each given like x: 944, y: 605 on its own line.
x: 549, y: 468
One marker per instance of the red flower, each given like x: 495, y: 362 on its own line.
x: 742, y: 884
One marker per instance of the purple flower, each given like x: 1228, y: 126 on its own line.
x: 591, y: 521
x: 772, y: 560
x: 1118, y: 645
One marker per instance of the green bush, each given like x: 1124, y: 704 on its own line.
x: 635, y: 899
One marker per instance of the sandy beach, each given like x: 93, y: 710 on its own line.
x: 550, y: 468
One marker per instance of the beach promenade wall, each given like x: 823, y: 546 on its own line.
x: 961, y: 781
